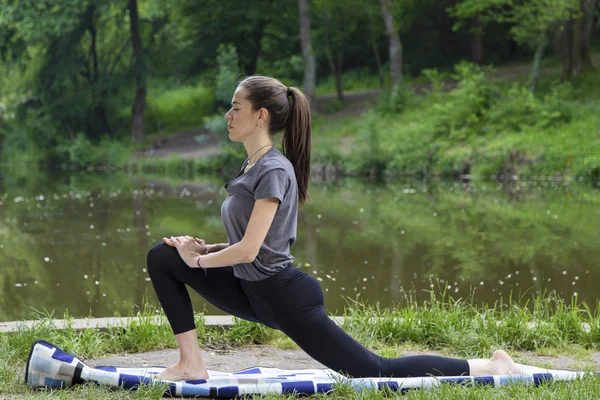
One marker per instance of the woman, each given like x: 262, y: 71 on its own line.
x: 252, y: 276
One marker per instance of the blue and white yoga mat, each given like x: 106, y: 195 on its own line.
x: 50, y: 367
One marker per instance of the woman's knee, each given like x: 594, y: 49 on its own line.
x: 158, y: 256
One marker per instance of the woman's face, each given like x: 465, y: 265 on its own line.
x: 243, y: 121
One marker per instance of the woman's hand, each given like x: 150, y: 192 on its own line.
x: 188, y: 249
x: 200, y: 245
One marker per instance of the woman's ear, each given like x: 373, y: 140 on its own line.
x: 263, y: 116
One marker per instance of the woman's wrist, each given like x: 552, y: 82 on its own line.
x: 213, y: 248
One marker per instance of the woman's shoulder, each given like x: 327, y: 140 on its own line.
x: 274, y: 159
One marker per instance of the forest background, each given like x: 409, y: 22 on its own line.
x: 497, y: 88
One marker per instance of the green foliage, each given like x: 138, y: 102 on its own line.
x: 248, y: 332
x: 82, y: 153
x: 518, y: 109
x: 527, y: 19
x: 333, y: 106
x: 457, y: 324
x: 435, y: 78
x: 394, y: 100
x: 535, y: 17
x: 463, y: 111
x: 290, y: 70
x: 374, y: 158
x: 227, y: 79
x: 226, y: 162
x: 216, y: 124
x: 228, y: 74
x: 352, y: 80
x: 483, y: 127
x: 178, y: 108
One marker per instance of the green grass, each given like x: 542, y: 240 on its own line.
x: 546, y: 325
x: 493, y: 125
x: 172, y: 108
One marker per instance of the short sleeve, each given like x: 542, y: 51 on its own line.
x: 271, y: 183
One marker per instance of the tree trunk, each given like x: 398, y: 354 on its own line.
x: 335, y: 69
x: 574, y: 42
x: 537, y: 62
x: 394, y: 42
x: 338, y: 76
x: 100, y: 116
x: 378, y: 63
x: 477, y: 52
x: 564, y: 47
x: 587, y: 8
x: 137, y: 130
x: 307, y: 51
x: 374, y: 48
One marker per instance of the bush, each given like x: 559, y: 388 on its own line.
x: 464, y: 112
x: 520, y: 109
x: 82, y: 153
x: 179, y: 108
x: 435, y: 78
x: 394, y: 101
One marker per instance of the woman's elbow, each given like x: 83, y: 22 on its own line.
x: 248, y: 255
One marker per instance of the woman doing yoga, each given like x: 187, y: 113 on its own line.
x: 252, y: 276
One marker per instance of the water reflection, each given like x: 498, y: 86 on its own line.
x: 79, y: 242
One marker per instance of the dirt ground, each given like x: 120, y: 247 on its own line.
x: 267, y: 356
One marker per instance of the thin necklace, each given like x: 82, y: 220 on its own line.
x: 256, y: 152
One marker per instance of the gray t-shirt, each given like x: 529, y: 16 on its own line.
x: 271, y: 176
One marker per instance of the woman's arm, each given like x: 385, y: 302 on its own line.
x: 246, y: 250
x: 213, y: 248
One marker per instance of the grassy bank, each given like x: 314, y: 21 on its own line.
x: 477, y: 121
x: 485, y: 126
x: 548, y: 325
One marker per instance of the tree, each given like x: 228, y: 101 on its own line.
x: 208, y: 23
x: 60, y: 48
x: 395, y: 45
x: 139, y: 104
x: 477, y: 52
x: 340, y: 32
x: 334, y: 49
x: 574, y: 41
x: 532, y: 22
x: 307, y: 50
x: 373, y: 42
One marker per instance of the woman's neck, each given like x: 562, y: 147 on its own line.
x: 255, y: 152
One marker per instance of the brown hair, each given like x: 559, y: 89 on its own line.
x: 289, y: 112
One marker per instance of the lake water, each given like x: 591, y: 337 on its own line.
x: 79, y: 242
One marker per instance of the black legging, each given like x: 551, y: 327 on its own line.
x: 290, y: 301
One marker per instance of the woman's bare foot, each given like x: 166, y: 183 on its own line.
x: 178, y: 372
x: 499, y: 364
x: 503, y: 364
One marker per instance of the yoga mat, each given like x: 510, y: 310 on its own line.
x: 50, y: 367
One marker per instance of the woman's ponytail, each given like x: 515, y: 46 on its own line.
x: 296, y: 139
